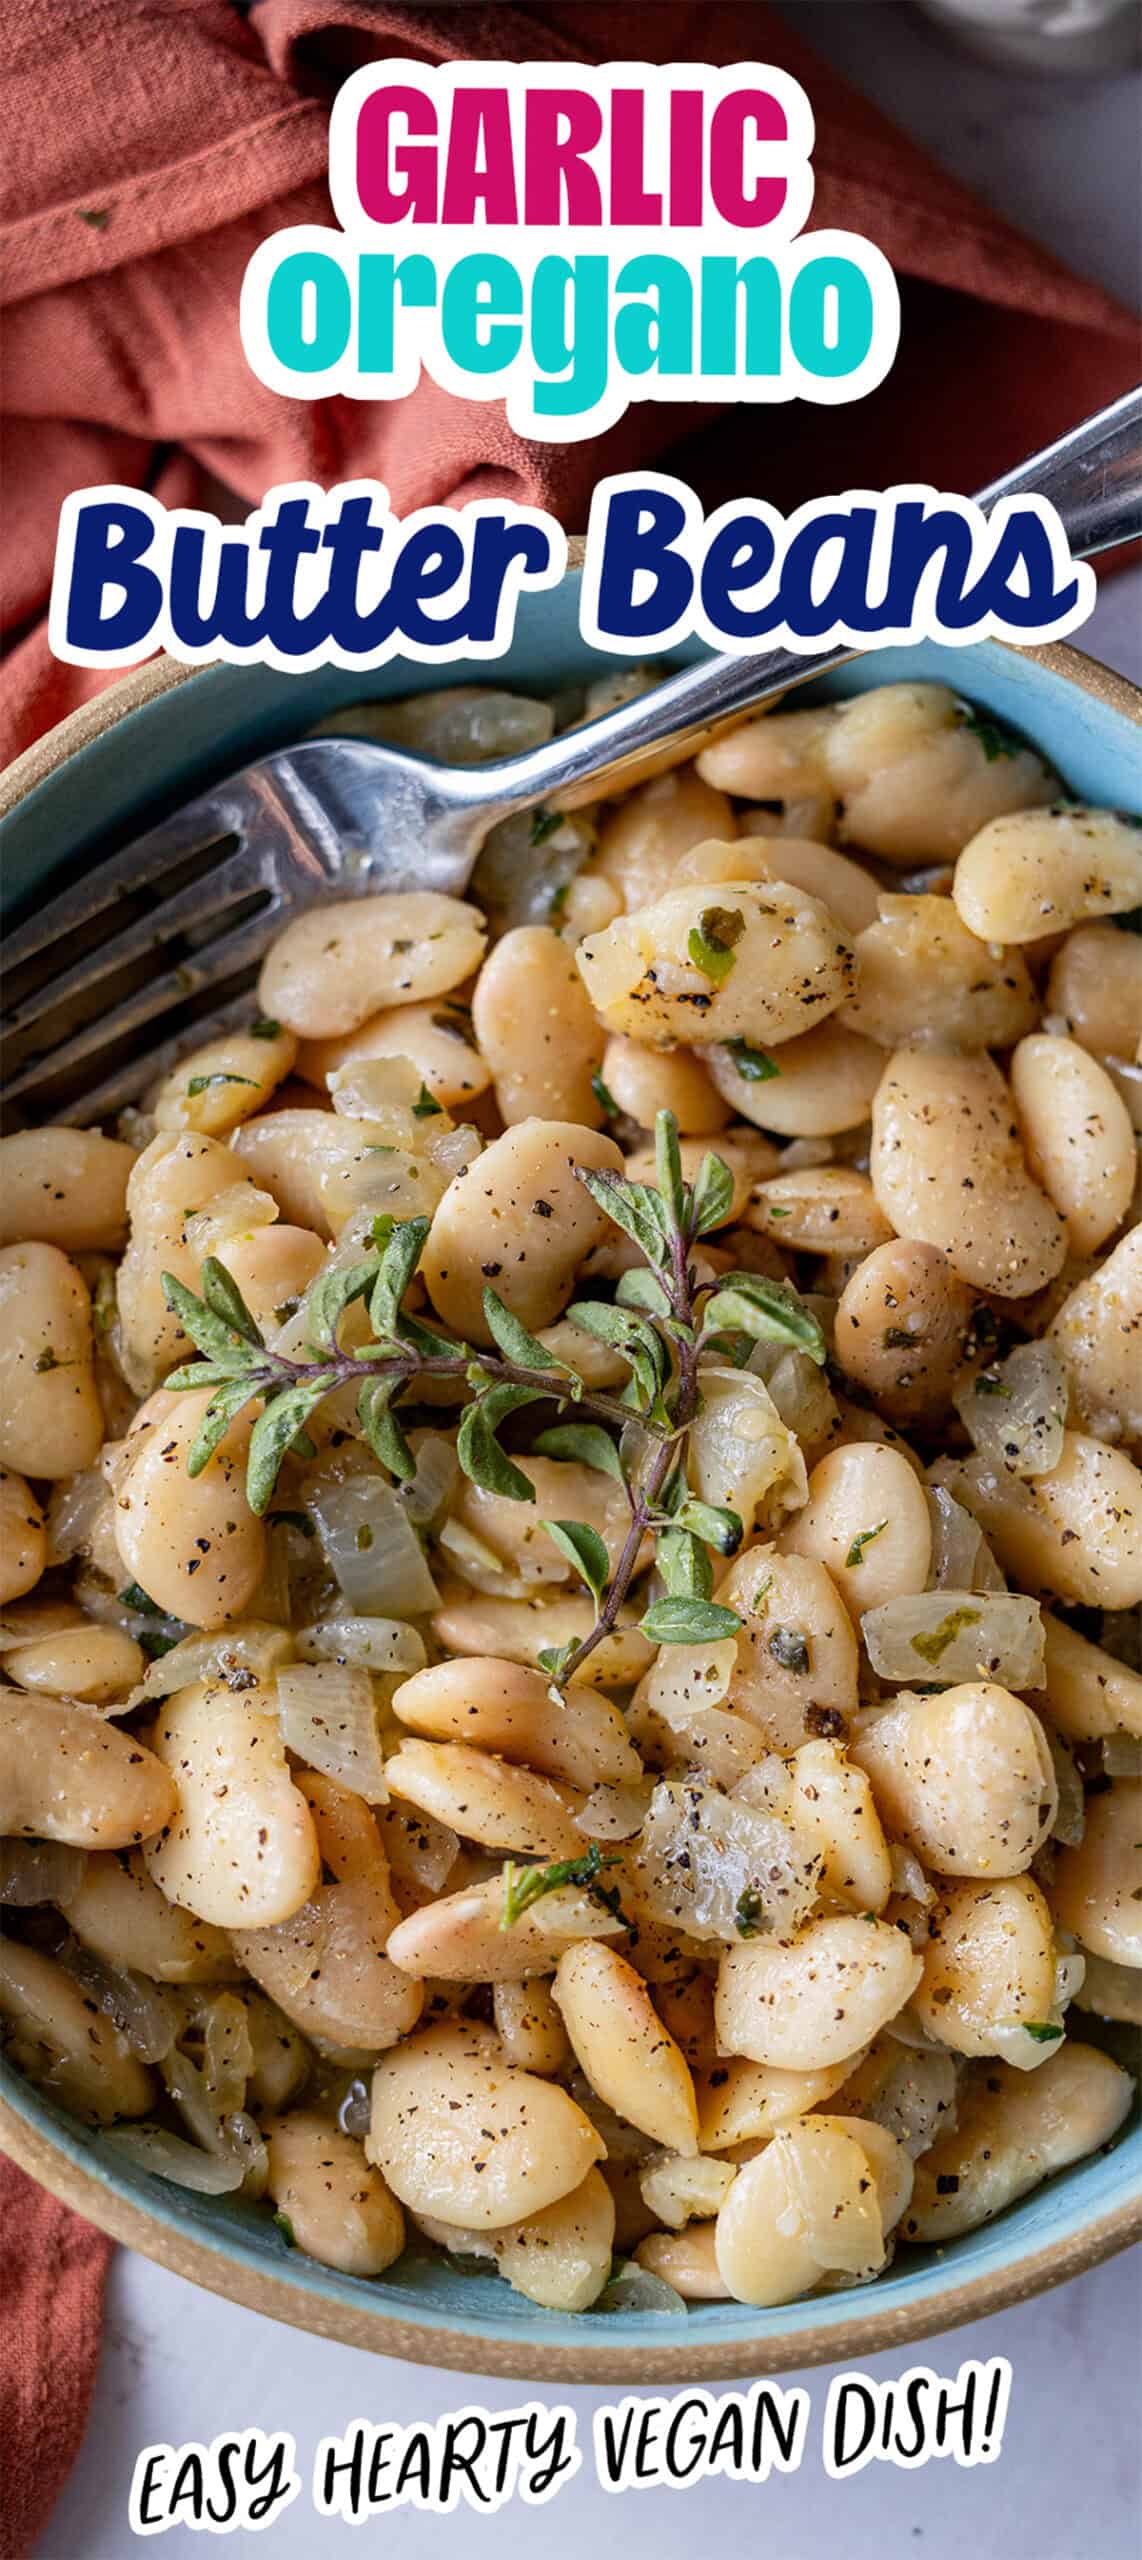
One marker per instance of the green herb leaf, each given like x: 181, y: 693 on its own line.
x: 932, y: 1646
x: 993, y: 737
x: 544, y: 823
x: 712, y: 1197
x: 206, y: 1084
x: 768, y: 1310
x: 790, y: 1648
x: 479, y: 1451
x: 584, y: 1548
x: 689, y: 1621
x: 988, y: 1384
x: 1041, y: 2031
x: 283, y: 2224
x: 603, y: 1096
x: 401, y: 1250
x: 581, y: 1443
x: 631, y: 1334
x: 863, y: 1539
x: 668, y: 1166
x: 274, y: 1432
x: 714, y: 1521
x: 754, y: 1066
x: 425, y: 1106
x: 635, y: 1207
x: 642, y: 1288
x: 224, y: 1298
x: 554, y: 1658
x: 224, y: 1404
x: 265, y: 1028
x: 327, y: 1298
x: 684, y: 1565
x: 216, y: 1336
x: 133, y: 1596
x: 512, y: 1338
x: 710, y: 942
x: 749, y: 1912
x: 381, y: 1428
x: 525, y: 1885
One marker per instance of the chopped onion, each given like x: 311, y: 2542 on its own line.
x: 478, y: 1563
x: 429, y: 1491
x: 383, y: 1090
x: 233, y: 2136
x: 372, y: 1547
x: 104, y: 1604
x: 241, y: 1657
x: 917, y: 2099
x: 78, y: 1510
x: 1016, y: 1410
x: 949, y: 1635
x: 147, y: 2014
x: 1122, y: 1755
x: 956, y: 1541
x: 452, y: 1150
x: 1070, y: 1817
x: 635, y: 2290
x: 238, y: 1211
x: 1014, y: 2043
x: 721, y: 1869
x: 465, y: 724
x: 742, y: 1453
x: 1070, y: 1975
x: 374, y: 1644
x: 519, y: 875
x: 614, y: 1813
x: 800, y: 1391
x: 227, y: 2049
x: 166, y: 2155
x: 329, y: 1721
x: 355, y: 2110
x: 420, y: 1850
x: 33, y: 1871
x: 905, y: 2028
x: 909, y: 1878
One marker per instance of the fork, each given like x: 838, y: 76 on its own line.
x: 97, y: 1015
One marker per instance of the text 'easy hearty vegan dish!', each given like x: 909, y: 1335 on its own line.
x: 573, y: 1541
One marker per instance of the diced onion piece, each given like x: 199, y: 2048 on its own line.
x: 686, y: 1676
x: 742, y: 1453
x: 614, y: 1813
x: 799, y: 1388
x: 1070, y: 1817
x: 233, y: 2136
x: 430, y: 1490
x: 376, y: 1644
x: 909, y: 1878
x: 383, y: 1091
x: 956, y: 1541
x: 166, y: 2155
x: 477, y: 1562
x: 33, y: 1871
x: 1122, y: 1755
x: 78, y: 1509
x: 371, y: 1547
x: 1070, y: 1975
x: 355, y: 2110
x: 525, y: 861
x: 451, y: 1150
x: 240, y: 1211
x: 1016, y: 1410
x: 329, y: 1721
x: 420, y: 1850
x: 241, y: 1657
x: 635, y: 2290
x: 721, y: 1869
x: 949, y: 1635
x: 1014, y: 2043
x: 147, y: 2014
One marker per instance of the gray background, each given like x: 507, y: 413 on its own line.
x: 1059, y: 158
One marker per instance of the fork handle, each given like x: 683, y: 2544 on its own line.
x: 1092, y: 476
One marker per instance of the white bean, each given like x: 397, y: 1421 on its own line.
x: 487, y: 1799
x: 438, y: 1037
x: 866, y: 1520
x: 807, y: 2207
x: 340, y: 962
x: 461, y: 1937
x: 53, y: 2031
x: 687, y: 2261
x: 118, y: 1911
x: 66, y: 1774
x: 66, y: 1187
x: 533, y: 1019
x: 964, y: 1778
x: 623, y: 2047
x: 948, y: 1169
x: 501, y: 1706
x: 523, y: 1220
x: 338, y: 2207
x: 1075, y: 1534
x: 903, y: 1327
x: 51, y: 1420
x: 740, y: 2101
x: 922, y: 976
x: 23, y: 1537
x: 770, y: 962
x: 91, y: 1663
x: 326, y: 1964
x: 1041, y: 870
x: 1094, y: 986
x: 825, y: 1208
x: 763, y: 853
x: 642, y: 1082
x: 216, y: 1087
x: 917, y: 776
x: 179, y: 1174
x: 640, y: 843
x: 825, y: 1082
x: 1097, y: 1890
x: 988, y: 1968
x: 781, y: 1597
x: 1077, y: 1136
x: 818, y: 1999
x: 1012, y: 2132
x: 458, y: 2134
x: 1096, y: 1333
x: 191, y: 1542
x: 241, y: 1850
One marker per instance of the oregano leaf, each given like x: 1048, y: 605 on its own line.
x: 584, y: 1548
x: 275, y: 1431
x: 712, y: 1196
x: 584, y: 1444
x: 685, y: 1621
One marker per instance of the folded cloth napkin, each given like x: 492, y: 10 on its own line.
x: 153, y: 143
x: 52, y: 2273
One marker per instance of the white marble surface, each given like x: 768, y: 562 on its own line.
x: 178, y: 2365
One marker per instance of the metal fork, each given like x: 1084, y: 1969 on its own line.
x: 100, y: 1007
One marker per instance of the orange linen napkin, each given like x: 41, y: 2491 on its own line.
x: 52, y: 2273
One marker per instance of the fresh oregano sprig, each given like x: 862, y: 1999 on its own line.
x: 663, y: 1320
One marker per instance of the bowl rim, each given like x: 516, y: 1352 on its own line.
x: 364, y: 2323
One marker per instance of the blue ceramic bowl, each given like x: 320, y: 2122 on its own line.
x: 160, y: 737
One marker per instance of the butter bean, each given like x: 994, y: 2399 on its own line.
x: 241, y: 1850
x: 1075, y: 1534
x: 23, y: 1537
x: 821, y: 1208
x: 54, y: 2033
x: 988, y: 1968
x: 66, y: 1774
x: 338, y: 2207
x: 487, y: 1799
x: 66, y: 1187
x: 500, y: 1706
x: 1094, y: 986
x: 1010, y: 2133
x: 216, y: 1087
x: 965, y: 1778
x: 533, y: 1019
x: 1097, y: 1891
x: 1096, y: 1332
x: 520, y: 1218
x: 851, y: 1491
x: 119, y: 1912
x: 1077, y: 1136
x: 326, y: 1964
x: 458, y: 2134
x: 790, y: 964
x: 922, y: 976
x: 825, y: 1082
x: 644, y: 1081
x: 640, y: 843
x: 948, y: 1169
x: 349, y: 958
x: 902, y: 1329
x: 438, y: 1037
x: 191, y: 1542
x: 815, y: 2001
x: 175, y: 1177
x: 1042, y: 870
x: 51, y: 1421
x: 461, y: 1937
x: 623, y: 2047
x: 91, y: 1663
x: 807, y: 2207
